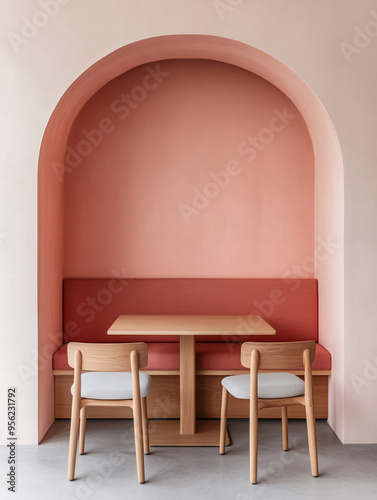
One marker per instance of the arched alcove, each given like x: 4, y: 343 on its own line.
x: 328, y: 199
x: 196, y: 168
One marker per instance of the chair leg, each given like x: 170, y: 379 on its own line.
x: 223, y: 419
x: 138, y: 426
x: 284, y: 426
x: 312, y: 439
x: 75, y: 419
x: 253, y: 445
x: 144, y: 416
x: 82, y: 430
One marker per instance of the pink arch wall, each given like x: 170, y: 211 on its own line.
x: 202, y: 169
x: 328, y: 191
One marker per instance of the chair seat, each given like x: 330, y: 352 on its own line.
x: 270, y: 385
x: 112, y: 385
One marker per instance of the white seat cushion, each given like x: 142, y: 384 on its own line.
x: 270, y: 385
x: 112, y: 385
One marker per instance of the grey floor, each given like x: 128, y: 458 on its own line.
x: 108, y: 469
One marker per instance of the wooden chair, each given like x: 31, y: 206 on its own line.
x: 267, y: 390
x: 108, y: 384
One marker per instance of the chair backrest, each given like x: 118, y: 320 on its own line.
x: 280, y: 355
x: 107, y: 357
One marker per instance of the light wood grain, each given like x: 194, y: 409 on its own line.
x: 138, y: 426
x: 256, y: 355
x: 284, y: 427
x: 253, y: 415
x: 82, y: 430
x: 224, y: 373
x: 107, y: 357
x: 144, y: 416
x: 280, y: 355
x: 309, y: 408
x: 167, y: 433
x: 187, y: 327
x: 187, y: 385
x: 163, y: 400
x: 75, y: 416
x: 223, y: 419
x: 190, y: 325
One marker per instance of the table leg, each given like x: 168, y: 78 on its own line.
x: 187, y: 431
x: 187, y: 385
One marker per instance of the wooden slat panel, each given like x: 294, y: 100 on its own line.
x: 209, y: 395
x: 163, y: 401
x: 224, y: 373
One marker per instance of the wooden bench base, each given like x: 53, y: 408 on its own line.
x: 163, y: 401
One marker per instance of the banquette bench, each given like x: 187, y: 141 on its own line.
x: 90, y: 306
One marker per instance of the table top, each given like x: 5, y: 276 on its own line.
x: 150, y: 324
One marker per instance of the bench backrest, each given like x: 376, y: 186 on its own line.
x: 90, y: 306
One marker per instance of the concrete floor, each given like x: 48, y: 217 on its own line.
x: 108, y: 469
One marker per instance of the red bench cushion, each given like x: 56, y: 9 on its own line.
x: 92, y: 305
x: 209, y: 356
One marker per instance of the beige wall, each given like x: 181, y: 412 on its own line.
x: 306, y: 36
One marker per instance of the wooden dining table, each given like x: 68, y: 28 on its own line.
x: 189, y: 431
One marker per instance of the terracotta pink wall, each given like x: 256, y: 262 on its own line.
x: 50, y: 264
x: 148, y: 142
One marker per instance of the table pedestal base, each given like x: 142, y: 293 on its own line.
x: 166, y: 433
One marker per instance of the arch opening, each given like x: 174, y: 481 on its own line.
x: 328, y: 198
